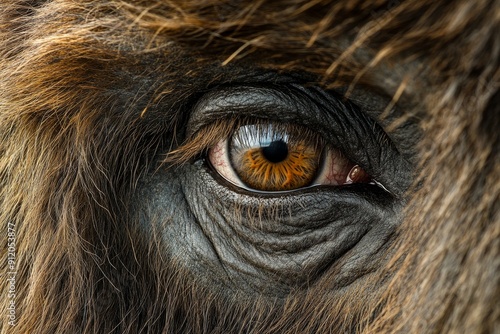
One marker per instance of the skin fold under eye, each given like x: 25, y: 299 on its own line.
x: 264, y: 174
x: 281, y: 157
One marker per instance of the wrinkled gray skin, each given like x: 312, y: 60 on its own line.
x: 234, y: 239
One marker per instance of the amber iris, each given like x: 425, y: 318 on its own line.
x: 269, y: 157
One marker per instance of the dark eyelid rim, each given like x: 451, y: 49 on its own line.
x: 339, y: 121
x: 382, y: 194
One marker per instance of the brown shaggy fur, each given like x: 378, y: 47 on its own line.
x: 81, y: 88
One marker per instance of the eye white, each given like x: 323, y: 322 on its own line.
x: 219, y: 158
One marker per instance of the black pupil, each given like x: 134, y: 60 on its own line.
x: 276, y: 152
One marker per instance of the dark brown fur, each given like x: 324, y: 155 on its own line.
x: 78, y: 128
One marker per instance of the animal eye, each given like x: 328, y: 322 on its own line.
x: 281, y: 157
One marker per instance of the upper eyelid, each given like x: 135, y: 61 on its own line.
x: 249, y: 101
x: 288, y: 103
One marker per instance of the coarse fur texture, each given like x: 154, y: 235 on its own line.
x: 82, y: 87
